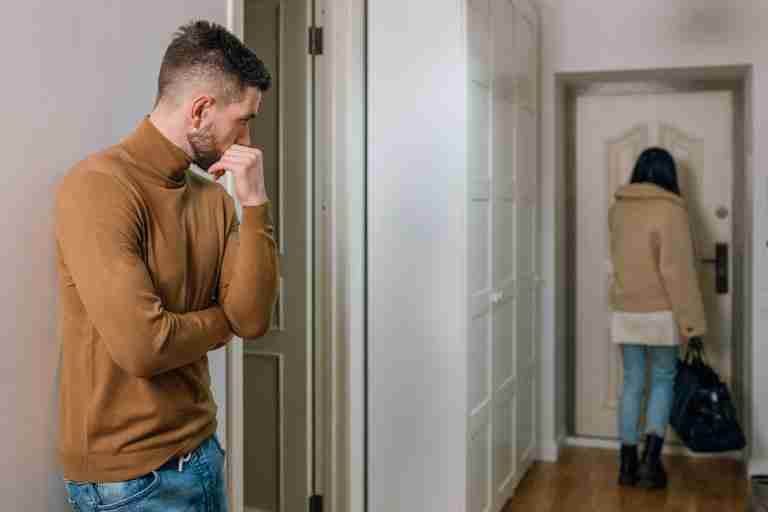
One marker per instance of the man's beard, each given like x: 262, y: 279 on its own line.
x: 204, y: 151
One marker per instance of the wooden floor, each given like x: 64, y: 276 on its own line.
x: 584, y: 479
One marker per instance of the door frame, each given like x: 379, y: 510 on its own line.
x: 569, y: 87
x: 338, y: 180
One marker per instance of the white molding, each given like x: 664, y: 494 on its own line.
x: 669, y: 449
x: 235, y: 409
x: 757, y: 467
x: 549, y: 451
x: 340, y: 132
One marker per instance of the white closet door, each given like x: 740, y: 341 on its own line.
x: 505, y: 259
x: 503, y: 241
x: 526, y: 235
x: 480, y: 246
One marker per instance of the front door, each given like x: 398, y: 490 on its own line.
x: 611, y: 131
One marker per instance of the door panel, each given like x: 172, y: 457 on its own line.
x: 527, y: 213
x: 504, y: 208
x: 611, y: 132
x: 277, y: 395
x: 503, y: 236
x: 478, y: 467
x: 503, y: 443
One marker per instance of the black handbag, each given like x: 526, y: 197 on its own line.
x: 703, y: 415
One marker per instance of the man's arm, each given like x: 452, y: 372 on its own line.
x: 249, y: 273
x: 98, y: 233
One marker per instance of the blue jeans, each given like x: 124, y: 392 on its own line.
x: 197, y: 487
x: 663, y: 372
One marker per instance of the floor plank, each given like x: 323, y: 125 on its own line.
x: 584, y: 479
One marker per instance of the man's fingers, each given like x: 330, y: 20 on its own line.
x: 244, y: 148
x: 227, y: 163
x: 238, y: 157
x: 244, y: 151
x: 218, y: 169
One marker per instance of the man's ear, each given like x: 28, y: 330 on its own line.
x: 199, y: 110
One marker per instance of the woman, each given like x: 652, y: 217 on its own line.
x: 657, y: 305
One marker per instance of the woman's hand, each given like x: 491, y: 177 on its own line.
x: 695, y: 343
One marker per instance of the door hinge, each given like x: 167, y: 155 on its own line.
x: 316, y: 503
x: 315, y: 40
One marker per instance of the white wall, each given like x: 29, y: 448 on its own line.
x: 416, y: 232
x: 78, y: 75
x: 646, y: 34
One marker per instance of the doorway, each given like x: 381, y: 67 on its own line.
x: 316, y: 425
x: 277, y: 446
x: 698, y: 115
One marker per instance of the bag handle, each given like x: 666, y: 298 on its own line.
x: 695, y: 354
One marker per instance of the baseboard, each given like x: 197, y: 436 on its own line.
x: 757, y: 466
x: 669, y: 449
x: 549, y: 451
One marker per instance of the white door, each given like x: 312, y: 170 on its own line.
x: 276, y: 369
x: 503, y: 237
x: 697, y: 128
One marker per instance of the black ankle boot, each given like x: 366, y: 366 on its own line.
x: 651, y: 474
x: 628, y: 470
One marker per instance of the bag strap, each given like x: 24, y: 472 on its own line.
x: 695, y: 354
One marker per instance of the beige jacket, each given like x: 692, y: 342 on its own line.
x: 653, y: 257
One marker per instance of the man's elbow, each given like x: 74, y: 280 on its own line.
x: 251, y: 328
x: 249, y: 321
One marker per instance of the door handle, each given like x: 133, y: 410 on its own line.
x: 721, y: 267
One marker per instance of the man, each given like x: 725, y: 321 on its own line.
x: 155, y: 271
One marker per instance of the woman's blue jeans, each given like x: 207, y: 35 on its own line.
x: 663, y: 370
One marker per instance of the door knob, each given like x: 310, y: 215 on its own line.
x: 721, y: 267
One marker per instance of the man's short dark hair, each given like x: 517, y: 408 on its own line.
x: 207, y: 52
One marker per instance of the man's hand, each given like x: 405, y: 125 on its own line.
x: 247, y: 166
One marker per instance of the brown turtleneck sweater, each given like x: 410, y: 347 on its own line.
x: 155, y: 270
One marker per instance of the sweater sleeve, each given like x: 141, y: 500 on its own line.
x: 249, y: 276
x: 98, y: 231
x: 678, y: 271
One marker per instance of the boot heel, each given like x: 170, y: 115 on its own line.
x: 629, y: 463
x: 651, y: 474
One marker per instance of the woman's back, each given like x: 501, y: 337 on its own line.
x: 652, y: 256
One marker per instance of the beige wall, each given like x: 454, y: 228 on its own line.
x: 605, y: 35
x: 77, y: 76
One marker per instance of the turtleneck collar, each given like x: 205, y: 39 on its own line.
x: 157, y: 154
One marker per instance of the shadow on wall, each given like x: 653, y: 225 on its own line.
x: 711, y: 22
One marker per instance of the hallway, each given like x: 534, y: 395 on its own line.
x: 585, y: 480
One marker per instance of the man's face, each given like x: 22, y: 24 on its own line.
x: 222, y: 126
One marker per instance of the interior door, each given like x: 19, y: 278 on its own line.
x: 611, y: 131
x: 277, y: 383
x: 503, y: 237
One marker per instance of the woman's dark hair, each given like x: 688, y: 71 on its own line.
x: 656, y: 165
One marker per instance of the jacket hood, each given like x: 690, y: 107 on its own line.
x: 640, y: 191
